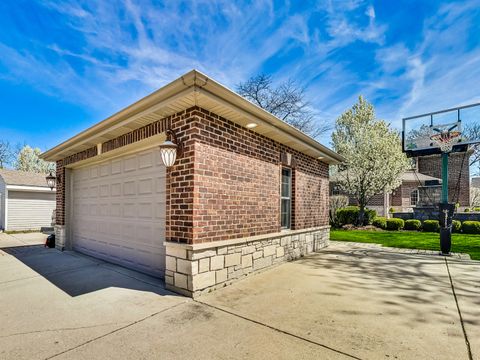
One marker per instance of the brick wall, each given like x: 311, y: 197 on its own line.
x: 226, y: 182
x: 311, y: 198
x: 235, y: 195
x: 458, y: 175
x: 237, y: 179
x: 60, y: 195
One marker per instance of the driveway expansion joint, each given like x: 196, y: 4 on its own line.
x: 465, y: 335
x: 116, y: 330
x: 298, y: 337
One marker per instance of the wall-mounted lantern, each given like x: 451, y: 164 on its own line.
x: 169, y: 150
x: 52, y: 180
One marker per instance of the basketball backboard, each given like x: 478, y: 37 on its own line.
x: 420, y: 132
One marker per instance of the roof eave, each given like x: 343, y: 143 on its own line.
x: 190, y: 82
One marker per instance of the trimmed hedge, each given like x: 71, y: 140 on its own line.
x: 431, y: 226
x: 380, y: 222
x: 456, y: 226
x: 471, y: 227
x: 395, y: 224
x: 413, y: 224
x: 349, y: 215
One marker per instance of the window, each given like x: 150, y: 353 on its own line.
x: 336, y: 190
x: 414, y: 197
x: 286, y: 195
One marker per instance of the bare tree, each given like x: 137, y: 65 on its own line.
x: 286, y: 101
x: 472, y: 132
x: 6, y: 154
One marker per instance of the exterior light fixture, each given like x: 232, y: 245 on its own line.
x: 251, y: 125
x: 51, y: 180
x: 170, y: 149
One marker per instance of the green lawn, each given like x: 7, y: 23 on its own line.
x: 461, y: 243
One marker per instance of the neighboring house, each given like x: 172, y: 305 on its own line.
x: 475, y: 182
x: 26, y: 203
x: 247, y: 191
x: 421, y: 185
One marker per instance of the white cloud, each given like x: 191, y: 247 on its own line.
x: 129, y: 48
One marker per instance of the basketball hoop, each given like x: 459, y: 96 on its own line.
x: 446, y: 139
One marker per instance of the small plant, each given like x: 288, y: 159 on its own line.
x: 395, y: 224
x: 471, y: 227
x: 467, y: 210
x: 431, y: 226
x: 380, y: 222
x: 456, y: 226
x: 413, y: 224
x: 391, y: 210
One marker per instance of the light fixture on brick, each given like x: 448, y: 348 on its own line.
x: 170, y: 149
x: 251, y: 125
x: 51, y: 180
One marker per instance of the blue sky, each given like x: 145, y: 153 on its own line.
x: 65, y: 65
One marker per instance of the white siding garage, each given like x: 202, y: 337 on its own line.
x: 26, y: 203
x: 29, y: 210
x: 118, y: 211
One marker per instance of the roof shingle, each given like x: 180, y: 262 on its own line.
x: 15, y: 177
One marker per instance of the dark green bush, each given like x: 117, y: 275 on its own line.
x: 413, y: 224
x: 349, y: 215
x: 380, y: 222
x: 476, y: 209
x: 471, y: 227
x: 369, y: 216
x: 456, y: 226
x: 466, y: 210
x: 431, y: 226
x: 395, y: 224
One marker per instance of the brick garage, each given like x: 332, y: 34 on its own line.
x: 215, y: 215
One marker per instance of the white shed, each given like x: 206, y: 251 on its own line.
x: 26, y: 203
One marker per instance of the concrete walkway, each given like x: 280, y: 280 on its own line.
x: 349, y: 301
x: 21, y: 239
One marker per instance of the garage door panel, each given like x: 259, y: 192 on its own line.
x: 116, y: 167
x: 145, y: 160
x: 122, y: 218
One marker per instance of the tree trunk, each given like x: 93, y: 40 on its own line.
x: 361, y: 215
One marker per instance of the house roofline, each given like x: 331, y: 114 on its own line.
x: 193, y: 82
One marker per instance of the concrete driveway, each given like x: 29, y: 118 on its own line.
x: 349, y: 301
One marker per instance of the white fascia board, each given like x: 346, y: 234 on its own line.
x: 29, y: 188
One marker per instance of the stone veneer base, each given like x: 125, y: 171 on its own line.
x: 60, y: 237
x: 192, y: 270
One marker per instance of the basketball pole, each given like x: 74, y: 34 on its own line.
x: 445, y: 177
x: 446, y: 210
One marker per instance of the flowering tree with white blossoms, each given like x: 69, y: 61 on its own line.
x: 373, y: 153
x: 28, y: 159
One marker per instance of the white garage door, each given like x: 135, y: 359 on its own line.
x: 119, y: 211
x: 28, y: 210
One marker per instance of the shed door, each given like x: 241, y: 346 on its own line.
x: 29, y: 210
x: 118, y: 211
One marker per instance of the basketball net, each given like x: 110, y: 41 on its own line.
x: 446, y: 140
